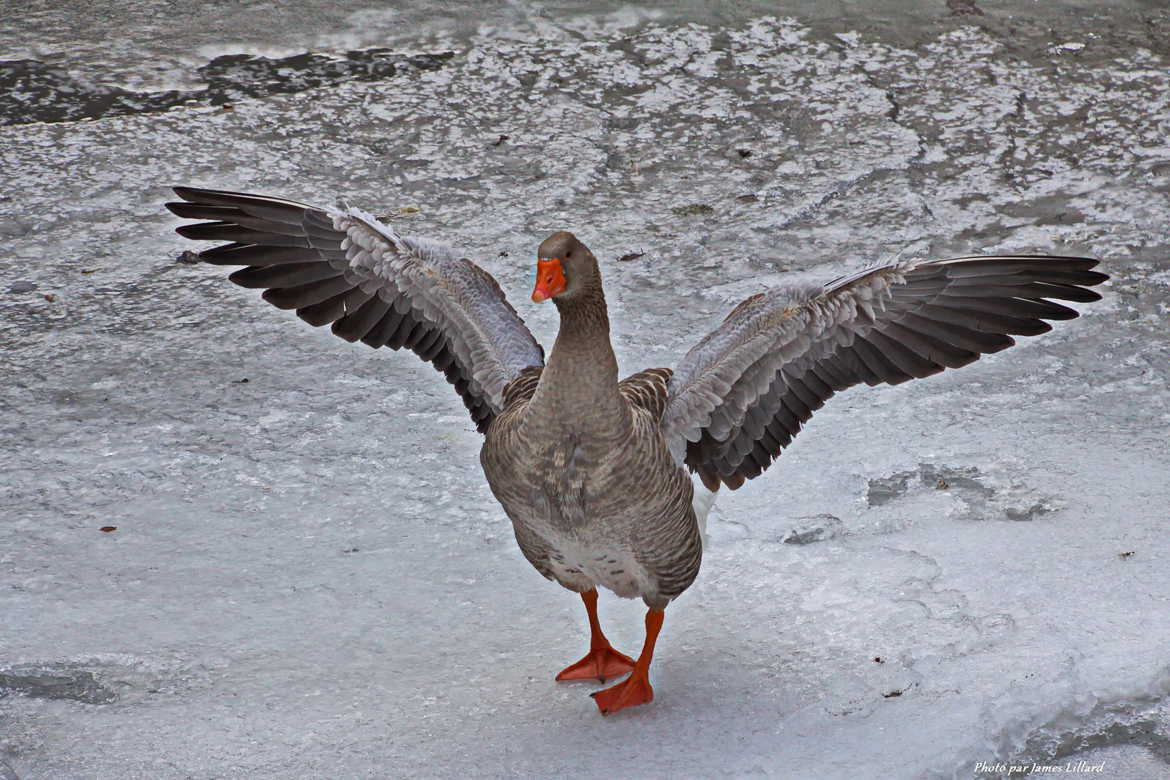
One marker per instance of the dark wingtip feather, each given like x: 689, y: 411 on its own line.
x: 203, y: 211
x: 189, y: 194
x: 1069, y: 292
x: 201, y: 194
x: 204, y: 230
x: 733, y: 481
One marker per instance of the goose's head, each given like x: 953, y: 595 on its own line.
x: 564, y: 268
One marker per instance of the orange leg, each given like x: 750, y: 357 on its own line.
x: 635, y: 689
x: 602, y: 661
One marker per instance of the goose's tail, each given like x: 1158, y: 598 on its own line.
x: 702, y: 502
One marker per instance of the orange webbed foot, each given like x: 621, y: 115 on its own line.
x: 600, y: 663
x: 628, y: 693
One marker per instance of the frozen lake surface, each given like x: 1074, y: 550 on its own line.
x: 308, y: 576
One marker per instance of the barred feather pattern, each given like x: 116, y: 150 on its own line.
x: 668, y: 543
x: 647, y: 390
x: 347, y: 270
x: 610, y: 509
x: 742, y: 393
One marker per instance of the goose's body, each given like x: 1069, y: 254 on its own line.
x: 601, y: 503
x: 595, y: 472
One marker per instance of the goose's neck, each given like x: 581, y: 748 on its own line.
x: 578, y: 388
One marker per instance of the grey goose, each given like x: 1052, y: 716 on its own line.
x: 595, y: 473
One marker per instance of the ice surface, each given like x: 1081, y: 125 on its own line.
x: 307, y: 575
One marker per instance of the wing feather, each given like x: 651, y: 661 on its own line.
x: 347, y: 270
x: 746, y: 389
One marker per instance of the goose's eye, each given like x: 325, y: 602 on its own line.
x: 569, y: 253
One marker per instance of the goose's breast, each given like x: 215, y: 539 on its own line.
x: 591, y: 514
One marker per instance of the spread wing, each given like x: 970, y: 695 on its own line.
x: 372, y: 285
x: 741, y: 394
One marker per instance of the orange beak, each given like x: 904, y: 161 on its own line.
x: 550, y: 279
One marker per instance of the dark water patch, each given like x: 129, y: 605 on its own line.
x: 963, y: 8
x: 54, y: 681
x: 815, y: 528
x: 1025, y: 513
x: 1125, y: 722
x: 885, y: 489
x: 31, y: 91
x: 233, y: 76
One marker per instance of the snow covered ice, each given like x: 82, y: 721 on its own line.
x: 308, y: 576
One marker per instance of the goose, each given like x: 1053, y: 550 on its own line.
x: 594, y: 472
